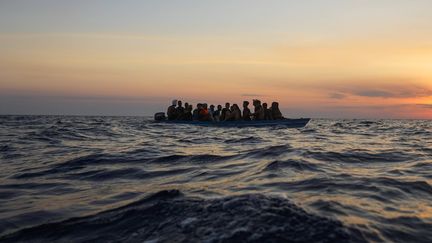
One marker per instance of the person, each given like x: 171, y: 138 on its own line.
x: 188, y: 112
x: 212, y: 112
x: 259, y: 111
x: 196, y: 112
x: 276, y: 113
x: 224, y: 111
x: 267, y: 112
x: 204, y: 113
x: 246, y: 111
x: 234, y: 114
x: 180, y: 110
x: 217, y: 113
x: 172, y: 111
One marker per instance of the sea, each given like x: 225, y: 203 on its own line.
x: 130, y: 179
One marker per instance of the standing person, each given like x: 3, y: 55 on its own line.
x: 246, y: 112
x: 267, y: 112
x: 276, y: 113
x: 172, y: 111
x: 259, y: 111
x: 180, y: 110
x: 224, y: 111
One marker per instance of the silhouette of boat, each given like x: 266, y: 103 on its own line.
x: 289, y: 123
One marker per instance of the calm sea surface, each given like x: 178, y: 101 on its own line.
x: 130, y: 179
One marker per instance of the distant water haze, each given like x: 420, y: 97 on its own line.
x: 335, y: 59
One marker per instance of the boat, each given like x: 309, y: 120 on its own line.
x: 288, y: 123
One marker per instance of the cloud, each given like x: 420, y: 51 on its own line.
x: 338, y: 96
x: 387, y: 92
x: 425, y: 106
x: 374, y: 93
x: 252, y: 95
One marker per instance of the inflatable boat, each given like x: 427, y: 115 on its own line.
x: 288, y: 123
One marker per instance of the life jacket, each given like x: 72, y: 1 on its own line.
x: 204, y: 115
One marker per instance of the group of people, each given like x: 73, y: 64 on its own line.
x: 203, y: 112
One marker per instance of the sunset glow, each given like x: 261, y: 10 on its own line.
x: 362, y: 59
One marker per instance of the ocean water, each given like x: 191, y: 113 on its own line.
x: 76, y: 179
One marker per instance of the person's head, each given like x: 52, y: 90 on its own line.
x: 219, y: 107
x: 256, y: 102
x: 275, y: 105
x: 204, y: 106
x: 212, y: 107
x: 174, y: 102
x: 264, y: 105
x: 199, y: 106
x: 179, y: 103
x: 236, y: 107
x: 245, y: 103
x: 227, y: 105
x: 186, y: 105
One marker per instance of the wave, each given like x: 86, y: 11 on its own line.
x: 358, y: 156
x: 300, y: 165
x: 169, y: 215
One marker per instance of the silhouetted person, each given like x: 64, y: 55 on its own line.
x: 196, y: 112
x: 224, y: 111
x: 276, y: 113
x: 234, y: 114
x: 259, y: 111
x: 180, y: 110
x: 188, y: 113
x: 172, y: 111
x: 267, y: 112
x: 212, y: 112
x: 246, y: 111
x: 217, y: 113
x: 204, y: 113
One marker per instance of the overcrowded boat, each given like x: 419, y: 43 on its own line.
x: 229, y: 116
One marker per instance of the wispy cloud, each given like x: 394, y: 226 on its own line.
x: 425, y: 106
x: 380, y: 91
x: 253, y: 95
x: 338, y: 96
x: 394, y: 92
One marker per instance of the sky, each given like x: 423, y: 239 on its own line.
x: 320, y: 59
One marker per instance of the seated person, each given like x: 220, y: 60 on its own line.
x: 188, y: 113
x: 224, y: 111
x: 172, y: 111
x: 217, y: 113
x: 196, y: 112
x: 246, y: 112
x: 212, y: 112
x: 267, y: 112
x: 180, y: 110
x: 276, y: 113
x: 259, y: 111
x: 204, y: 113
x: 234, y: 114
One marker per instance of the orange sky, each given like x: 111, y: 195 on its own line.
x: 376, y: 72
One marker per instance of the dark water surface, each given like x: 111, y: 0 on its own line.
x: 129, y: 179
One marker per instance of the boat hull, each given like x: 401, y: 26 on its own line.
x: 289, y: 123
